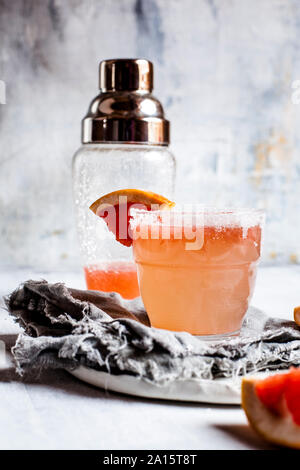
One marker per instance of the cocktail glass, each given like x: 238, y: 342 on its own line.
x: 197, y: 269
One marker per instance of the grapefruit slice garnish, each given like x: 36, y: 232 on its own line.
x: 272, y: 406
x: 114, y: 209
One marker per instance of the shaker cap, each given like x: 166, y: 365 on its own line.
x: 125, y: 111
x: 125, y: 75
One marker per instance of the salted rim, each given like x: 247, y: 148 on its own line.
x: 205, y: 215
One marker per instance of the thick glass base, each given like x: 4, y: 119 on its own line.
x: 222, y: 337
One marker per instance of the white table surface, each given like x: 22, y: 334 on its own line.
x: 56, y: 411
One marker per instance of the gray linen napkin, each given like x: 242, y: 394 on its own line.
x: 65, y: 328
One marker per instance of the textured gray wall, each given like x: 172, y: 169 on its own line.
x: 223, y: 70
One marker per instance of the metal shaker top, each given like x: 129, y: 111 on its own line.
x: 125, y: 111
x: 126, y: 75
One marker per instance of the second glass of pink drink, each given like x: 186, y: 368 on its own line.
x: 201, y: 285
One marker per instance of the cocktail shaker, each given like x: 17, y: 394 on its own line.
x: 125, y: 139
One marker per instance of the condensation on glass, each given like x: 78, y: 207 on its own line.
x: 125, y: 139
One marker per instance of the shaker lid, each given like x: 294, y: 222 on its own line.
x: 125, y: 111
x: 125, y: 75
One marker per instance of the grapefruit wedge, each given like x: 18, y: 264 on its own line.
x: 114, y: 209
x: 272, y: 406
x: 297, y: 315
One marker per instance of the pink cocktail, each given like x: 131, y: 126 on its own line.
x: 202, y: 286
x: 115, y: 276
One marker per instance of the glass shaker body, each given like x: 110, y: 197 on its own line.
x: 98, y: 169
